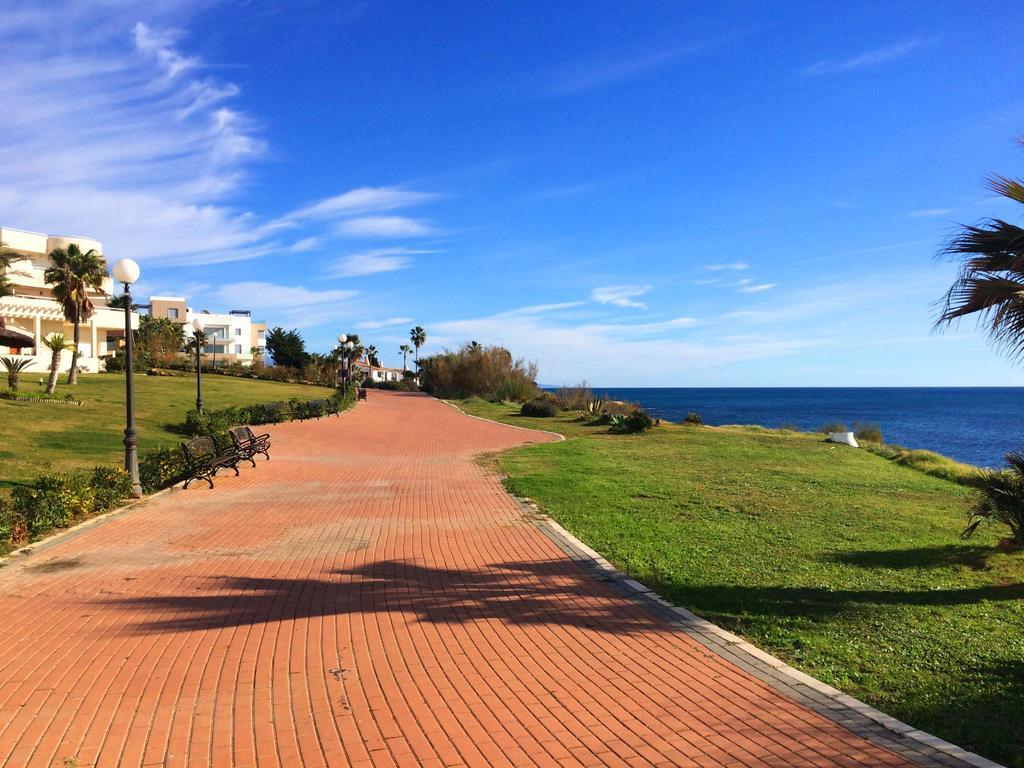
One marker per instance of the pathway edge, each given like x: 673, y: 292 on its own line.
x: 698, y: 628
x: 558, y: 437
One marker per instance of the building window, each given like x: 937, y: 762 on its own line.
x: 238, y: 349
x: 238, y: 331
x: 172, y: 313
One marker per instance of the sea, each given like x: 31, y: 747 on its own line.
x: 976, y: 425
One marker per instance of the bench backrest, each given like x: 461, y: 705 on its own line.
x: 240, y: 434
x: 199, y: 448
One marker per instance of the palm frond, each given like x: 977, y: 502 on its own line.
x: 1011, y: 188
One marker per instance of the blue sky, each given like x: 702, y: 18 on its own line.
x: 662, y: 194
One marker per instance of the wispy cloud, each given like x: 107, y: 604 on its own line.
x: 361, y: 201
x: 293, y: 306
x: 305, y: 244
x: 374, y: 261
x: 757, y: 287
x: 866, y: 59
x: 735, y: 266
x: 385, y: 227
x: 370, y: 325
x: 590, y: 75
x: 930, y: 213
x: 620, y: 295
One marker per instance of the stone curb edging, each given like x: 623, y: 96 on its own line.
x: 558, y: 437
x: 826, y: 700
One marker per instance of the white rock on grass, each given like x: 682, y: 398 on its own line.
x: 846, y: 438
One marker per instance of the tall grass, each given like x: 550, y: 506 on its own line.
x: 488, y: 372
x: 929, y: 462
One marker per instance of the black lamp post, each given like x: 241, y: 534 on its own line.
x: 197, y: 328
x: 126, y: 272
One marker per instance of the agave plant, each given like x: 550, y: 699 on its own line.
x: 1001, y: 499
x: 14, y: 368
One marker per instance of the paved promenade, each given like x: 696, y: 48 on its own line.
x: 370, y: 596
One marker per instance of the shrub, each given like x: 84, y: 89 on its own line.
x: 929, y: 462
x: 478, y: 371
x: 637, y: 421
x: 55, y: 501
x: 540, y: 407
x: 161, y: 468
x: 1001, y: 499
x: 693, y: 418
x: 833, y: 426
x: 868, y: 432
x: 574, y: 398
x: 40, y: 397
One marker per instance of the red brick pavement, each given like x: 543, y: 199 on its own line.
x: 371, y: 596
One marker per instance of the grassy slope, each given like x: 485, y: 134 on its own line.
x: 845, y: 564
x: 36, y: 437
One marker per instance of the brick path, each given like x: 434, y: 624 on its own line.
x: 369, y: 597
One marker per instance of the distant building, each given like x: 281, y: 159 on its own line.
x: 32, y: 314
x: 376, y: 373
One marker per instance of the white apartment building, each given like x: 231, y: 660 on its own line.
x: 32, y: 314
x: 231, y: 336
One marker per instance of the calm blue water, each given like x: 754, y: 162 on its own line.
x: 972, y: 424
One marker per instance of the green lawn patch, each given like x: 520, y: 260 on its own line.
x: 38, y: 438
x: 845, y: 563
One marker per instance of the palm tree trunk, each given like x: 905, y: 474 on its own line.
x: 73, y: 373
x: 51, y: 385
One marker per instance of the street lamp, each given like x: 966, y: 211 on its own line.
x: 197, y: 328
x: 342, y: 354
x: 126, y: 272
x: 349, y: 346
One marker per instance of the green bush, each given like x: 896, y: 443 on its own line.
x: 637, y: 421
x: 539, y: 407
x: 868, y: 432
x: 56, y: 501
x: 693, y: 418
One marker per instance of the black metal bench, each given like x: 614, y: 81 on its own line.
x: 247, y: 444
x: 362, y: 394
x: 203, y: 458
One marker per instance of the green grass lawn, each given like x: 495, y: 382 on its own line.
x: 36, y: 438
x: 845, y: 564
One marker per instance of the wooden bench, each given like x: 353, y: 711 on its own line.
x: 203, y: 457
x: 248, y: 444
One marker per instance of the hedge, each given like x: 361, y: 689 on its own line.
x: 57, y: 501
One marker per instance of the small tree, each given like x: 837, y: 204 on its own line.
x: 14, y: 368
x: 405, y: 349
x: 286, y: 348
x: 56, y: 343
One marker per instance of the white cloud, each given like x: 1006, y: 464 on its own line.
x: 384, y: 227
x: 757, y: 287
x: 361, y: 201
x: 290, y: 306
x: 930, y: 213
x: 872, y: 58
x: 305, y: 244
x: 390, y: 322
x: 374, y: 261
x: 735, y: 266
x: 620, y: 295
x: 146, y: 145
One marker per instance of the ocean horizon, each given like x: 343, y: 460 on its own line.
x: 975, y: 425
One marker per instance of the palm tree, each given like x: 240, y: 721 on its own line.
x: 14, y: 368
x: 474, y: 346
x: 991, y: 279
x: 7, y: 258
x: 56, y: 343
x: 119, y: 301
x: 197, y: 339
x: 72, y: 274
x: 418, y: 337
x: 405, y: 349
